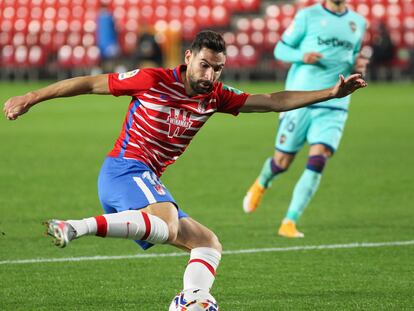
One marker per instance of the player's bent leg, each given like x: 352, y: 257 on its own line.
x: 205, y: 253
x: 271, y: 168
x: 304, y: 190
x: 156, y: 224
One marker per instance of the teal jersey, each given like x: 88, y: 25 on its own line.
x: 337, y: 37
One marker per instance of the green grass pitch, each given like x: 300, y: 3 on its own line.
x: 50, y: 160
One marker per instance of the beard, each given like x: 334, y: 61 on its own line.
x: 201, y: 86
x: 338, y: 2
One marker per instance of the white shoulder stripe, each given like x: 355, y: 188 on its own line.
x: 179, y: 84
x: 155, y: 97
x: 172, y: 90
x: 173, y: 96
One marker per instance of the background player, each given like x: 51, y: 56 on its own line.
x: 323, y: 41
x: 167, y: 109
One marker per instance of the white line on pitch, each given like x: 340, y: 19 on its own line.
x: 234, y: 252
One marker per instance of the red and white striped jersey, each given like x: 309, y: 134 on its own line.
x: 162, y: 119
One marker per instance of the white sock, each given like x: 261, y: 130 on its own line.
x: 84, y: 226
x: 201, y: 269
x: 131, y: 224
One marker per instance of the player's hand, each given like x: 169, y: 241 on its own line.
x: 312, y: 57
x: 361, y: 63
x: 344, y: 87
x: 16, y: 106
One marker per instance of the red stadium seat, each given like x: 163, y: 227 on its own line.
x: 36, y: 57
x: 273, y: 11
x: 92, y: 57
x: 248, y: 56
x: 220, y: 16
x: 257, y: 39
x: 190, y: 28
x: 233, y: 56
x: 244, y: 24
x: 78, y: 56
x: 270, y: 40
x: 204, y: 16
x: 21, y: 56
x: 7, y: 56
x: 229, y: 37
x: 249, y: 5
x: 242, y: 38
x: 65, y: 57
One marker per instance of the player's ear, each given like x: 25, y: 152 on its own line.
x: 187, y: 56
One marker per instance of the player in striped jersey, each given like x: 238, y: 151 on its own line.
x: 167, y: 108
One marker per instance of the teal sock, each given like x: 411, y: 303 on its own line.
x: 302, y: 194
x: 269, y: 171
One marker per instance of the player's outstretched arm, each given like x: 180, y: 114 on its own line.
x: 18, y: 105
x: 288, y: 100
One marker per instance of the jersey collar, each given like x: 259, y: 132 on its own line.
x: 334, y: 13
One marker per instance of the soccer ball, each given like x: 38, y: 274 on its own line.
x: 194, y: 300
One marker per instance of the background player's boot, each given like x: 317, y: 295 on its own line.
x: 288, y: 230
x: 61, y: 231
x: 253, y: 197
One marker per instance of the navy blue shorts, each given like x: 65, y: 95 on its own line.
x: 126, y: 184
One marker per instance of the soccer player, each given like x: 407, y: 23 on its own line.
x: 168, y: 107
x: 322, y: 41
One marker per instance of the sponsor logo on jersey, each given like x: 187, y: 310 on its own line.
x: 126, y: 75
x: 178, y: 121
x: 335, y: 42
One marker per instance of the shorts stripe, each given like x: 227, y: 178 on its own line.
x: 147, y: 192
x: 147, y: 226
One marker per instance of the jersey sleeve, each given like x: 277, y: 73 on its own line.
x: 287, y: 53
x: 296, y: 31
x: 230, y: 99
x: 130, y: 83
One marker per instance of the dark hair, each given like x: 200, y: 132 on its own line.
x: 208, y: 39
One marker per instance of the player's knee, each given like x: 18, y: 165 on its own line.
x: 280, y: 163
x: 215, y: 243
x: 209, y: 239
x: 316, y: 163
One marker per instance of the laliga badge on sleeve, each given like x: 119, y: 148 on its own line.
x: 126, y: 75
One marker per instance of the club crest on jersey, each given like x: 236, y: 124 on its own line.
x: 282, y: 139
x: 203, y: 104
x: 126, y: 75
x: 178, y: 121
x: 353, y: 26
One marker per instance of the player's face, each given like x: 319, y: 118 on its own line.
x: 203, y: 69
x: 337, y: 2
